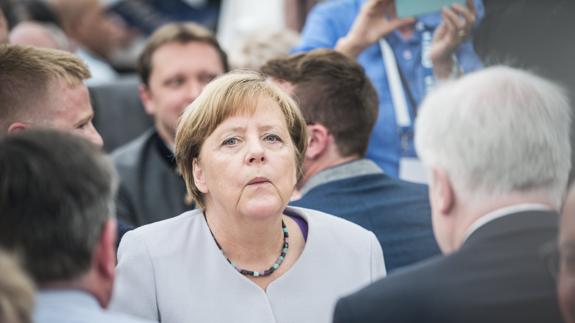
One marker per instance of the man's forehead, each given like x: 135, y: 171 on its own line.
x: 70, y: 100
x: 174, y: 50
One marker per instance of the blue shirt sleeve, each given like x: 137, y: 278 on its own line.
x: 326, y: 23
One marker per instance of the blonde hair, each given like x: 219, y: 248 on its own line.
x: 27, y: 73
x: 229, y: 95
x: 16, y: 292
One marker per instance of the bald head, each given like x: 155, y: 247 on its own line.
x: 39, y: 35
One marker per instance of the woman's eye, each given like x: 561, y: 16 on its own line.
x: 230, y: 142
x: 272, y: 138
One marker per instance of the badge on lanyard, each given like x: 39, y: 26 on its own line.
x: 410, y: 167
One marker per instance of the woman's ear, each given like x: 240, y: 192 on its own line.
x: 199, y: 178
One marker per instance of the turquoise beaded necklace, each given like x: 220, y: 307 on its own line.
x: 268, y: 271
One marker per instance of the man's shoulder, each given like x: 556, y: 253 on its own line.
x: 75, y: 306
x: 377, y: 188
x: 379, y: 180
x: 129, y: 153
x: 89, y: 316
x: 396, y: 297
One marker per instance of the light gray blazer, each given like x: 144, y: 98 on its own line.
x: 172, y: 271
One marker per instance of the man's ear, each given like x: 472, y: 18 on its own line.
x: 318, y: 137
x: 17, y: 126
x: 105, y: 253
x: 146, y: 98
x: 442, y: 193
x: 199, y: 178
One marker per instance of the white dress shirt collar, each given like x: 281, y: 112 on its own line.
x: 498, y: 213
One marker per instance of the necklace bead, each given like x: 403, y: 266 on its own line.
x: 272, y: 268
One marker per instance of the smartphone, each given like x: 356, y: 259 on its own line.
x: 412, y: 8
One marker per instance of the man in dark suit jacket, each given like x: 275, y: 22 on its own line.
x: 496, y: 147
x: 566, y: 264
x: 340, y: 105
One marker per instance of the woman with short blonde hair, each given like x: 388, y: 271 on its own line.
x: 244, y: 256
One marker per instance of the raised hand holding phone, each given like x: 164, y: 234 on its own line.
x: 456, y: 27
x: 376, y: 19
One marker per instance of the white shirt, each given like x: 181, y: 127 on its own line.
x: 496, y: 214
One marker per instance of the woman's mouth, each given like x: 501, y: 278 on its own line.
x: 258, y: 181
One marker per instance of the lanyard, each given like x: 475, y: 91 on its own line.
x: 398, y: 87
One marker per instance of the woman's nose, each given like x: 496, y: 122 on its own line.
x: 256, y: 152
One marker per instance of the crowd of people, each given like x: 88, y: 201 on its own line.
x: 361, y: 167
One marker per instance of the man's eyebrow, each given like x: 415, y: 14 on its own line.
x: 85, y: 119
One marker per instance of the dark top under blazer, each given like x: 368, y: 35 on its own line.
x: 396, y: 211
x: 150, y: 188
x: 498, y: 275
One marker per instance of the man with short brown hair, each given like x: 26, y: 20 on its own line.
x: 175, y: 65
x: 44, y: 88
x: 340, y: 106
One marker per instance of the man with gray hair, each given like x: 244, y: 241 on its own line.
x: 496, y: 148
x: 56, y: 214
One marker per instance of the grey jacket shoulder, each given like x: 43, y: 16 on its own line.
x: 128, y: 154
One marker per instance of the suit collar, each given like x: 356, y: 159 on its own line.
x: 501, y: 212
x: 347, y: 170
x: 512, y: 224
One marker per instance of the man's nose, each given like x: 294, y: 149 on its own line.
x: 94, y: 136
x: 194, y: 90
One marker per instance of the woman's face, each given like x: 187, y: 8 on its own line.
x: 247, y: 165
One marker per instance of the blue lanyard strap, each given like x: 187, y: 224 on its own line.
x: 399, y: 88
